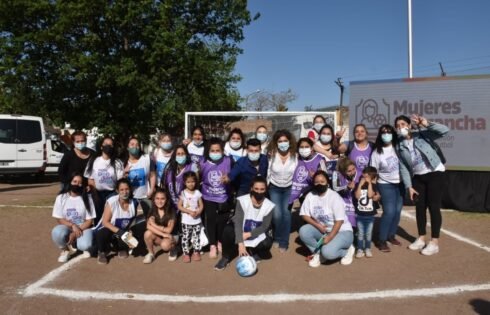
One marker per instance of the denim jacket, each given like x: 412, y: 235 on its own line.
x: 433, y: 131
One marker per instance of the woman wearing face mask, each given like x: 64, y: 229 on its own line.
x: 308, y: 163
x: 282, y: 164
x: 327, y: 145
x: 74, y: 161
x: 359, y: 150
x: 318, y: 122
x: 385, y: 160
x: 247, y: 235
x: 344, y: 182
x: 140, y: 171
x: 422, y: 173
x: 162, y: 154
x: 235, y: 145
x: 323, y: 211
x: 119, y: 212
x: 262, y: 135
x: 103, y: 170
x: 196, y: 146
x: 74, y: 212
x: 215, y: 192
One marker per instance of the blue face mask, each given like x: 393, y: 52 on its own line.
x: 80, y: 146
x: 215, y: 156
x: 325, y: 138
x: 261, y: 136
x: 283, y: 146
x: 166, y: 146
x: 134, y: 151
x: 386, y: 137
x: 253, y: 156
x: 181, y: 159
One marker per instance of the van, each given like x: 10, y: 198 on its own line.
x: 22, y: 145
x: 55, y: 150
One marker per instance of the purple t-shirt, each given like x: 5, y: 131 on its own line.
x: 179, y: 183
x: 302, y: 176
x: 212, y: 188
x: 360, y: 158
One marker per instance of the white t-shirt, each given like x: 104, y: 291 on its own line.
x: 121, y: 218
x: 196, y: 150
x: 104, y: 175
x: 326, y: 210
x: 235, y: 154
x: 139, y: 176
x: 387, y: 164
x: 281, y: 174
x: 190, y: 201
x: 73, y: 209
x: 161, y: 160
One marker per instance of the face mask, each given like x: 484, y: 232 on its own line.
x: 166, y: 146
x: 108, y: 149
x: 283, y: 146
x: 181, y: 159
x: 386, y: 137
x: 318, y: 126
x: 134, y: 151
x: 235, y: 145
x: 325, y: 138
x: 76, y: 189
x: 305, y: 152
x: 253, y: 156
x: 351, y: 178
x: 261, y: 136
x: 258, y: 196
x: 198, y: 143
x: 80, y: 146
x: 403, y: 132
x: 124, y: 196
x: 215, y: 156
x: 320, y: 189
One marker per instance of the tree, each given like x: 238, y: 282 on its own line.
x: 269, y: 101
x: 124, y: 66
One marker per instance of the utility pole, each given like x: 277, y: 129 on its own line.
x: 443, y: 74
x: 410, y: 64
x: 341, y: 86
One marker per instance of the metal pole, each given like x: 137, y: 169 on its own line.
x: 410, y: 70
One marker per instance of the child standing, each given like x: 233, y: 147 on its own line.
x: 191, y: 206
x: 366, y: 198
x: 344, y: 182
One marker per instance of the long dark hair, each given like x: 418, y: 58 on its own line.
x: 90, y: 164
x: 333, y: 142
x: 239, y: 132
x: 379, y: 144
x: 172, y: 166
x: 125, y: 181
x: 84, y: 195
x: 167, y: 208
x: 125, y: 157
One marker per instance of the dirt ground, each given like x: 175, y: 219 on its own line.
x: 28, y: 254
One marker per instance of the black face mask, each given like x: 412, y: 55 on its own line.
x: 320, y: 189
x: 76, y: 189
x: 258, y: 196
x: 108, y: 149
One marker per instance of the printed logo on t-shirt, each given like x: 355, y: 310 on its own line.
x: 160, y: 167
x: 365, y: 204
x: 122, y: 223
x: 302, y: 174
x: 195, y: 158
x: 137, y: 177
x: 361, y: 162
x: 392, y: 164
x: 105, y: 177
x: 214, y: 178
x: 251, y: 225
x: 73, y: 216
x: 319, y: 214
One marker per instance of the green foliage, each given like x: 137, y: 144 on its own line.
x: 124, y: 66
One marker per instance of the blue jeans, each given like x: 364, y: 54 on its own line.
x: 392, y: 202
x: 364, y: 231
x: 60, y: 234
x: 282, y: 214
x: 336, y: 248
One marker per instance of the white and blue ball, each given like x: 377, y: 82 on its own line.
x: 246, y: 266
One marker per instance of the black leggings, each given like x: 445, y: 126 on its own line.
x: 230, y: 249
x: 105, y: 238
x: 216, y: 216
x: 430, y: 188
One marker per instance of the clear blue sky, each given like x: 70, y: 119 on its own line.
x: 306, y: 45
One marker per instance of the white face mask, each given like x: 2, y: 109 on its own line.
x: 403, y: 132
x: 317, y: 126
x: 235, y: 145
x: 325, y: 138
x: 253, y: 156
x: 305, y: 152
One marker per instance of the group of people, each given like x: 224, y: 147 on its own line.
x: 235, y: 197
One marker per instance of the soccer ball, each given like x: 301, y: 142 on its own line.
x: 246, y: 266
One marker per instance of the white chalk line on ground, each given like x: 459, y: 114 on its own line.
x: 23, y: 206
x: 452, y: 234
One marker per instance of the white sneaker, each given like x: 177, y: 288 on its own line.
x: 417, y: 245
x: 148, y: 258
x: 369, y: 253
x: 359, y: 253
x: 431, y: 249
x: 315, y: 261
x: 347, y: 259
x: 64, y: 256
x: 86, y: 254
